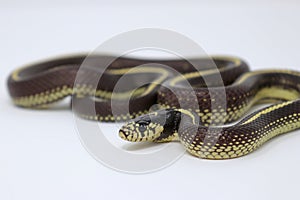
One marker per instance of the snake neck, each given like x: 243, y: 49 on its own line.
x: 171, y: 126
x: 173, y: 120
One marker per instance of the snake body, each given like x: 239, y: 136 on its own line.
x: 193, y: 106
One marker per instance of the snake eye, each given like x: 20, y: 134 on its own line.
x: 143, y: 125
x: 142, y: 128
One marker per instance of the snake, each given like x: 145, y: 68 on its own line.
x: 202, y: 102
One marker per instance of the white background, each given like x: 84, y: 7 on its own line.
x: 41, y: 156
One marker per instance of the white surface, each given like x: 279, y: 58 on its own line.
x: 40, y: 154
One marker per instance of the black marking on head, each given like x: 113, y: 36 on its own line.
x: 143, y: 123
x: 171, y: 125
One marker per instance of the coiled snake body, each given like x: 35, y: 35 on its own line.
x: 192, y: 105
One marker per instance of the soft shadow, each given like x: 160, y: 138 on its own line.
x: 139, y: 146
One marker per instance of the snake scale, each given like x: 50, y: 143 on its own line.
x: 193, y: 106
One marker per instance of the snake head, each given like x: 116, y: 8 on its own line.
x: 148, y: 127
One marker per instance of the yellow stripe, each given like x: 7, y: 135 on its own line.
x: 260, y: 72
x: 191, y: 75
x: 189, y: 113
x: 144, y: 69
x: 266, y: 111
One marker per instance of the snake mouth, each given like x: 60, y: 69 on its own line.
x: 122, y: 135
x: 128, y: 132
x: 134, y: 132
